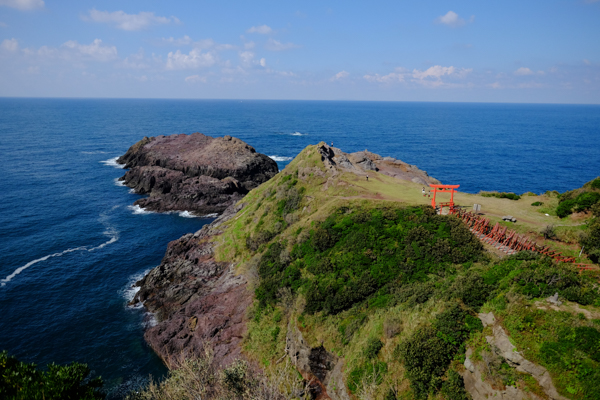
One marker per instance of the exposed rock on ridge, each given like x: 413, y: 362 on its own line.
x: 194, y: 172
x: 362, y: 162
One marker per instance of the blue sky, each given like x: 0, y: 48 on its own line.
x: 479, y: 51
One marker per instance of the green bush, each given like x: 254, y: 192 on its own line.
x: 355, y: 255
x: 565, y: 208
x: 586, y: 200
x: 453, y: 387
x: 23, y: 381
x: 471, y: 289
x: 537, y: 203
x: 502, y: 195
x: 427, y: 353
x: 595, y: 184
x: 372, y: 349
x: 577, y: 200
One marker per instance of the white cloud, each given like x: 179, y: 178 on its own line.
x: 523, y: 71
x: 274, y: 45
x: 452, y: 19
x: 23, y: 4
x: 195, y: 59
x: 586, y: 61
x: 397, y: 76
x: 183, y: 41
x: 10, y: 45
x: 437, y: 71
x: 195, y: 79
x: 129, y: 22
x: 94, y: 50
x: 339, y: 75
x: 247, y: 57
x: 281, y: 73
x: 135, y: 61
x: 263, y: 62
x: 3, y: 24
x: 262, y: 29
x: 249, y: 45
x: 495, y: 85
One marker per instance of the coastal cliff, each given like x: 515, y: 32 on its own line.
x: 339, y: 267
x: 195, y: 173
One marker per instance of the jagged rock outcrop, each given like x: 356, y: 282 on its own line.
x: 364, y: 161
x: 194, y: 172
x: 195, y: 299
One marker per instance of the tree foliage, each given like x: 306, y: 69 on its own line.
x: 23, y: 381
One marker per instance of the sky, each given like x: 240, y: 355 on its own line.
x: 526, y: 51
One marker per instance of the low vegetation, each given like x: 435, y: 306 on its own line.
x: 24, y: 381
x: 501, y: 195
x: 199, y: 378
x: 579, y: 200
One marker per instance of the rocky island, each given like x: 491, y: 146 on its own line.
x: 195, y: 173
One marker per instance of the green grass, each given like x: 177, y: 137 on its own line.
x: 354, y: 255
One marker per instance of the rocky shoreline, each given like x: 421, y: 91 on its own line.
x: 195, y: 173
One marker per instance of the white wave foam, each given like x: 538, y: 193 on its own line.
x: 112, y: 162
x: 132, y: 191
x: 139, y: 210
x: 111, y: 232
x: 212, y: 215
x: 186, y: 214
x: 17, y: 271
x: 93, y: 152
x: 118, y: 182
x: 298, y: 134
x: 131, y: 290
x: 281, y: 158
x: 149, y: 321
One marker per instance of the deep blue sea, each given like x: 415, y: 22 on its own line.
x: 72, y: 246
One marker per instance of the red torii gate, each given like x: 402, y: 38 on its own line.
x: 444, y: 189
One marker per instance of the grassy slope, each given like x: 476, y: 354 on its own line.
x: 265, y: 341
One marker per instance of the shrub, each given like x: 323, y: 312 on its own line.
x: 586, y: 200
x: 453, y: 387
x: 372, y: 349
x: 471, y: 289
x: 565, y: 208
x: 427, y: 353
x: 595, y: 184
x: 537, y: 203
x: 549, y: 232
x: 502, y: 195
x: 19, y: 380
x: 355, y: 255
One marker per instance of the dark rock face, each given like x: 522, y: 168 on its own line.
x: 320, y: 368
x: 195, y: 299
x: 194, y: 172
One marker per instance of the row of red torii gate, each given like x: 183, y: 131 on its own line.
x: 499, y: 236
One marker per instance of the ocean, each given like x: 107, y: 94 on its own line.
x: 72, y: 244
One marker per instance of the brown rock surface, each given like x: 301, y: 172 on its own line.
x: 362, y: 162
x: 195, y: 299
x: 194, y: 172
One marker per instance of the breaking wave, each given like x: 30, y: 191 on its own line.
x: 112, y: 162
x: 109, y: 231
x: 281, y: 158
x: 139, y: 210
